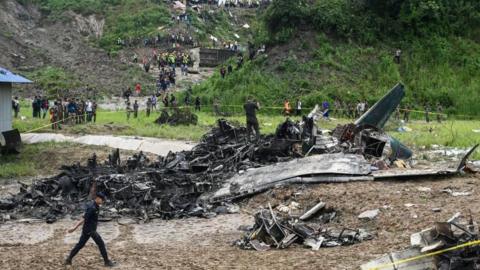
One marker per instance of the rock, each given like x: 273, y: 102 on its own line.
x: 370, y: 214
x: 424, y: 189
x: 436, y: 210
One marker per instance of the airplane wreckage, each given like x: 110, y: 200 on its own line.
x: 225, y: 166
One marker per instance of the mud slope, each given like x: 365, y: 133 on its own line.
x: 28, y: 41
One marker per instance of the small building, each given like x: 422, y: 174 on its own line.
x: 7, y: 79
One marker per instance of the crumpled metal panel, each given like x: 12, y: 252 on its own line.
x: 256, y: 180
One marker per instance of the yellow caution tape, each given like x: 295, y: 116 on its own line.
x: 416, y: 258
x: 49, y: 124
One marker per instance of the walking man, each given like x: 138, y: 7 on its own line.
x: 89, y: 222
x: 251, y: 108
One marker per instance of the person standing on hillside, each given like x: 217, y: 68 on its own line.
x: 223, y: 71
x: 89, y: 230
x: 251, y: 108
x: 146, y: 65
x: 138, y: 89
x: 398, y: 54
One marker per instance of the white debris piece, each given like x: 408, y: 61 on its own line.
x: 457, y: 193
x: 370, y: 214
x: 424, y: 189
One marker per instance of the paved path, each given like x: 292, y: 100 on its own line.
x: 149, y: 145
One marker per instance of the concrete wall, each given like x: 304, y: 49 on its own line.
x: 5, y: 106
x: 214, y: 57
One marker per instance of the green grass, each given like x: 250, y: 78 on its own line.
x: 27, y: 163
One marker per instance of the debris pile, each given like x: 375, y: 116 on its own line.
x: 180, y: 116
x: 451, y: 245
x: 165, y: 188
x: 275, y: 231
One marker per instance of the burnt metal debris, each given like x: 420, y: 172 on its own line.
x: 446, y: 236
x: 225, y: 165
x: 168, y: 187
x: 178, y: 116
x: 274, y: 230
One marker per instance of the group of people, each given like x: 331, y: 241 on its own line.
x: 152, y: 103
x: 427, y: 113
x: 166, y: 59
x: 166, y: 79
x: 66, y: 111
x: 233, y: 3
x: 40, y: 106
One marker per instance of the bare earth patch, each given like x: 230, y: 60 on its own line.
x: 206, y: 243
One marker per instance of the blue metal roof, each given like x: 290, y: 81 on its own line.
x: 10, y: 77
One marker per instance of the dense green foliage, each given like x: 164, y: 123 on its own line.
x: 343, y: 50
x: 372, y: 20
x: 133, y: 19
x: 438, y: 71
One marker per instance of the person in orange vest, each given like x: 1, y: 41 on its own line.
x: 286, y: 107
x: 138, y: 88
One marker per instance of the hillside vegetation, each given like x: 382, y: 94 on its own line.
x: 343, y: 49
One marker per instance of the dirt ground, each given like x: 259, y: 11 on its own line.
x: 206, y: 243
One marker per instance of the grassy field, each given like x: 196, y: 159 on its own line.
x: 451, y: 133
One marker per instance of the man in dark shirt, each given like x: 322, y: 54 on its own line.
x: 89, y: 221
x: 251, y: 108
x: 135, y: 109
